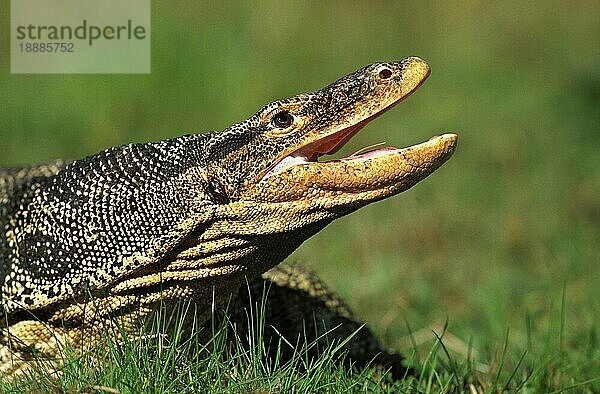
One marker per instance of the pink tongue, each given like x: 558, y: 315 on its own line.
x: 372, y: 152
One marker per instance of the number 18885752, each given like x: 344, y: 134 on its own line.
x: 62, y: 47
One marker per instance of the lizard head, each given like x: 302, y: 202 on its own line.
x: 304, y: 128
x: 274, y: 187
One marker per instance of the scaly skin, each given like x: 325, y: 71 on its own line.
x: 100, y: 242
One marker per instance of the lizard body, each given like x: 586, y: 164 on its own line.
x: 101, y: 241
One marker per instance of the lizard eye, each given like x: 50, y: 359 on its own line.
x: 385, y: 73
x: 282, y: 120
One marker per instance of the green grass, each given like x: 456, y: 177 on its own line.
x: 164, y: 357
x: 501, y: 243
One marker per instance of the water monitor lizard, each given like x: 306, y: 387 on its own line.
x: 100, y: 242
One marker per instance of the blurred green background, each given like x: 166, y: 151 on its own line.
x: 489, y: 242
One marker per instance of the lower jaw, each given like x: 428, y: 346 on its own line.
x: 371, y: 170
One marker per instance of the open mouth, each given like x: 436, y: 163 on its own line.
x: 327, y: 142
x: 331, y: 144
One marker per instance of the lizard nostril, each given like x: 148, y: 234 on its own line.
x: 385, y: 73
